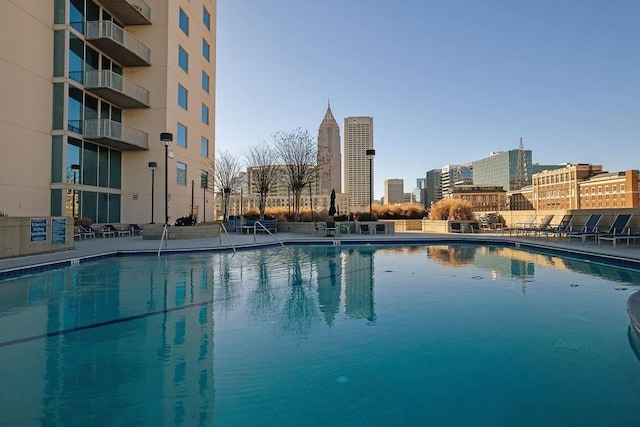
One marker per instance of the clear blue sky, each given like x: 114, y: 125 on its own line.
x: 446, y: 81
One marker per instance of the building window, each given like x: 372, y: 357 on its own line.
x: 206, y: 50
x: 182, y: 135
x: 181, y: 173
x: 183, y: 59
x: 206, y: 18
x: 184, y: 22
x: 205, y: 82
x: 205, y: 114
x: 204, y: 147
x: 182, y: 96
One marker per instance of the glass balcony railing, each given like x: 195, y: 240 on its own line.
x: 115, y: 134
x: 117, y: 89
x: 118, y: 43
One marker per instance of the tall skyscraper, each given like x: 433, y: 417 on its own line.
x: 101, y: 81
x: 329, y: 157
x: 393, y: 191
x: 358, y: 138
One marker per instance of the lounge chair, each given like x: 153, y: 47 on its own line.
x: 86, y: 231
x: 320, y: 227
x: 381, y: 228
x: 537, y: 229
x: 108, y: 230
x: 330, y: 228
x: 589, y: 227
x: 366, y: 228
x: 345, y: 227
x: 618, y: 230
x: 135, y: 229
x: 529, y: 222
x: 618, y: 227
x: 564, y: 226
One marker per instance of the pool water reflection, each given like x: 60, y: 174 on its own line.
x: 331, y: 335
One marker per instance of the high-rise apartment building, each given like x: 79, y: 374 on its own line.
x: 329, y: 157
x: 82, y: 112
x: 358, y: 168
x: 393, y: 191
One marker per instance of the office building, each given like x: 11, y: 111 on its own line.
x: 432, y: 188
x: 393, y: 191
x: 610, y: 191
x: 329, y: 157
x: 451, y: 175
x: 358, y: 168
x: 87, y: 89
x: 558, y: 188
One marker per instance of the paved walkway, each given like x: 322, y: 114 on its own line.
x: 105, y: 246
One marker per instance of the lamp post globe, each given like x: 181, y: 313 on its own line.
x: 153, y: 166
x: 166, y: 139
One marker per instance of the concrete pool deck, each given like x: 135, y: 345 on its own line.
x: 628, y: 256
x: 89, y: 248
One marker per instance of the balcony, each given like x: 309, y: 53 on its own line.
x: 115, y: 135
x: 118, y: 44
x: 116, y: 89
x: 128, y: 12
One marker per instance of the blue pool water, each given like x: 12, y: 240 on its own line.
x: 326, y: 336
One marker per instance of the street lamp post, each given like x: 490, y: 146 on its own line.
x: 75, y: 168
x: 153, y: 166
x: 166, y: 138
x: 370, y: 154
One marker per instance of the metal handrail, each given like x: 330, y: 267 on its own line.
x: 164, y: 233
x: 255, y: 232
x: 229, y: 237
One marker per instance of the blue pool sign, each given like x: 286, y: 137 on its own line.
x: 38, y: 229
x: 58, y: 231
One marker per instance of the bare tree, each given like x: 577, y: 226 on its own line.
x: 298, y: 153
x: 225, y: 170
x: 262, y: 159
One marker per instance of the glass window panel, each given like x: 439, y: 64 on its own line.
x: 56, y: 203
x: 103, y: 208
x: 206, y: 49
x: 204, y: 147
x: 59, y: 49
x: 73, y: 158
x: 76, y: 15
x: 56, y: 158
x: 206, y: 18
x: 104, y: 110
x: 182, y: 135
x: 90, y: 107
x: 205, y: 114
x: 184, y: 22
x: 181, y: 173
x: 76, y: 59
x: 114, y: 208
x: 74, y: 112
x: 183, y: 59
x: 205, y: 82
x: 90, y: 164
x: 88, y: 204
x: 58, y: 106
x: 115, y: 169
x: 103, y: 167
x: 182, y: 96
x: 93, y: 11
x: 116, y: 114
x: 92, y: 59
x: 59, y: 9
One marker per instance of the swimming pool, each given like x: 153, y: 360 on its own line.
x: 321, y: 335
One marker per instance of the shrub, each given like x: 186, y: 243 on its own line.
x: 447, y: 209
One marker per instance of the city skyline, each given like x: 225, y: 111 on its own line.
x: 446, y: 83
